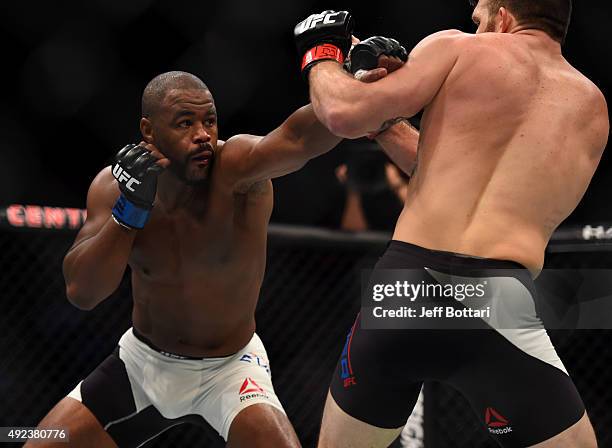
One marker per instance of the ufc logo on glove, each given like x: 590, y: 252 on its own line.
x: 313, y: 20
x: 323, y: 36
x: 122, y: 176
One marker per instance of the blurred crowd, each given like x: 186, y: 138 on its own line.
x: 354, y: 188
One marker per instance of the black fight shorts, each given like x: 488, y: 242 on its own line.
x: 513, y: 378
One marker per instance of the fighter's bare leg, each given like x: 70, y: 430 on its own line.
x: 84, y: 430
x: 340, y: 430
x: 262, y: 426
x: 580, y: 435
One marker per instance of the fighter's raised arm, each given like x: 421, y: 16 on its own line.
x: 119, y: 202
x: 369, y: 61
x: 350, y: 109
x: 249, y: 159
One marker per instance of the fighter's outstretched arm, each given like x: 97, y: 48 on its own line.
x: 351, y: 109
x: 249, y: 159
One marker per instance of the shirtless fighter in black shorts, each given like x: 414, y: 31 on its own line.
x: 510, y: 138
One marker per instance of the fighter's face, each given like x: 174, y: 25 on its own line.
x: 482, y: 17
x: 185, y: 131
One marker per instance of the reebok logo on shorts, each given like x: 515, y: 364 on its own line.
x: 250, y: 389
x: 496, y: 423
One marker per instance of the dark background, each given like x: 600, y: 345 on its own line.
x: 73, y: 74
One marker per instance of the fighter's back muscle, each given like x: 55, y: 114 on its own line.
x: 529, y: 114
x: 489, y: 88
x: 504, y: 121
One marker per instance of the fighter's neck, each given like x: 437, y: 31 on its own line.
x: 174, y: 194
x: 538, y: 40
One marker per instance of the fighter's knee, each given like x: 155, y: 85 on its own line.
x: 81, y: 426
x: 286, y: 443
x: 263, y: 438
x: 262, y: 426
x: 30, y: 444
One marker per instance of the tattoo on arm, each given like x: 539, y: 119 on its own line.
x: 387, y: 124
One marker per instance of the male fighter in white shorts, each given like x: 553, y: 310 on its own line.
x: 189, y: 214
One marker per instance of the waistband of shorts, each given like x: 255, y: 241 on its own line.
x: 452, y: 259
x: 168, y: 354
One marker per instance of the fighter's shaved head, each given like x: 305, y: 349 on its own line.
x: 158, y: 87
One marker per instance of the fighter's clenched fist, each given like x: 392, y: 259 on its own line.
x: 365, y: 54
x: 324, y: 36
x: 136, y: 169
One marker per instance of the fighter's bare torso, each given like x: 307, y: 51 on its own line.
x: 507, y: 149
x: 197, y: 267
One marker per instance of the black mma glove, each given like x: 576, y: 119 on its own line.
x: 322, y: 37
x: 364, y: 55
x: 136, y: 172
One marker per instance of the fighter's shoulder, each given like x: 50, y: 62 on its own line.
x: 594, y: 95
x: 232, y: 152
x: 588, y: 103
x: 476, y: 51
x: 237, y: 146
x: 600, y: 100
x: 596, y: 106
x: 104, y: 179
x: 446, y: 35
x: 445, y: 38
x: 590, y: 95
x: 232, y: 156
x: 444, y: 46
x: 104, y: 188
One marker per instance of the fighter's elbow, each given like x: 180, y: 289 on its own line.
x: 342, y: 122
x: 78, y: 298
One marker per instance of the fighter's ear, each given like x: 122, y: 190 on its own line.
x: 504, y: 20
x: 146, y: 129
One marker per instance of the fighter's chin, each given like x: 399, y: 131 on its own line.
x: 197, y: 178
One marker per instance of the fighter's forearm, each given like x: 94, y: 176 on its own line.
x: 94, y: 267
x: 312, y: 137
x: 337, y: 99
x: 400, y: 142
